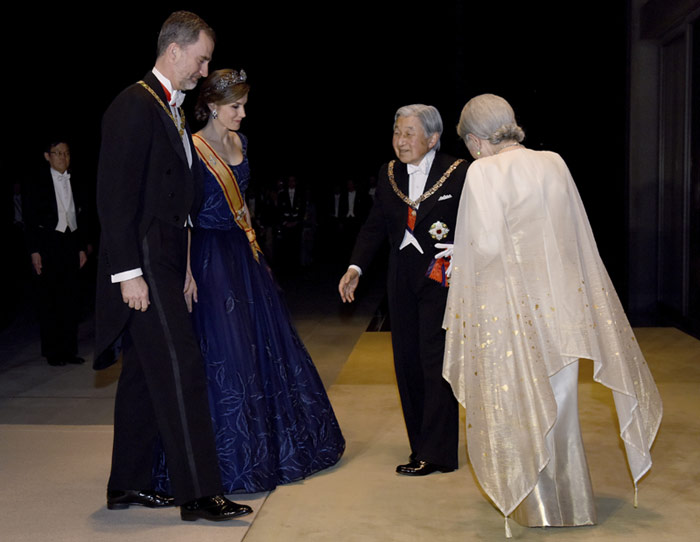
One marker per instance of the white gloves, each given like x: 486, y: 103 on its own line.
x: 447, y: 250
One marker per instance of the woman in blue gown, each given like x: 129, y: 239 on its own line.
x: 272, y: 418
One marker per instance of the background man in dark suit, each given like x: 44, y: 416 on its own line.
x: 415, y: 206
x: 149, y: 182
x: 58, y: 248
x: 291, y: 209
x: 350, y: 208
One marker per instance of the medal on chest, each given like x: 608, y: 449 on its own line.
x: 439, y: 231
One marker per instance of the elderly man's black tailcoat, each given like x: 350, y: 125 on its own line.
x: 417, y: 304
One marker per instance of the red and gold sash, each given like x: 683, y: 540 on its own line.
x: 229, y: 186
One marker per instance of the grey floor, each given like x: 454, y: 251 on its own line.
x: 55, y: 441
x: 32, y: 392
x: 56, y: 422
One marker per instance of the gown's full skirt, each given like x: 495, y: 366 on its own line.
x: 272, y: 418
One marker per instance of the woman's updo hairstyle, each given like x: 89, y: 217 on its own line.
x: 489, y: 117
x: 221, y: 87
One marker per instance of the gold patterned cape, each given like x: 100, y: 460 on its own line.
x: 529, y: 294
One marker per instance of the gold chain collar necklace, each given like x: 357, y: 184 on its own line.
x: 425, y: 195
x: 180, y: 127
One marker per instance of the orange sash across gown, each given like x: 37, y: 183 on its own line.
x: 229, y: 186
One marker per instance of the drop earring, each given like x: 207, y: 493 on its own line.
x: 214, y: 114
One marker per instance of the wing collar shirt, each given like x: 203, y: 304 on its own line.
x: 176, y: 99
x: 351, y: 204
x: 417, y: 177
x: 64, y: 201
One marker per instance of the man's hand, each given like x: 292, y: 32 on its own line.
x: 36, y: 262
x: 82, y: 258
x: 190, y: 290
x: 135, y: 293
x: 348, y: 284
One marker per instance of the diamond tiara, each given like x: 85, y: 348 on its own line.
x: 230, y: 79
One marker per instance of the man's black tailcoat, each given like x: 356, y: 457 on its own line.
x: 417, y: 305
x: 146, y: 191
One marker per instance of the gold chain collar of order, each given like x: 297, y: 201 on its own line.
x: 181, y: 127
x: 425, y: 195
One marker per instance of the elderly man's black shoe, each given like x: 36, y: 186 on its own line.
x: 217, y: 508
x: 121, y: 499
x: 421, y: 468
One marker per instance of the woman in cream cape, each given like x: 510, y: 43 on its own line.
x: 529, y: 296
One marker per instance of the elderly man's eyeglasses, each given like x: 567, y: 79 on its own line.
x: 65, y: 154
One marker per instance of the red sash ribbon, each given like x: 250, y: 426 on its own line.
x: 437, y: 271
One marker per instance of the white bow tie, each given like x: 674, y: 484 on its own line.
x: 416, y: 169
x: 176, y: 98
x: 63, y: 177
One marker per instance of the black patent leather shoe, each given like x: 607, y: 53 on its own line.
x: 217, y: 508
x: 121, y: 499
x: 421, y: 468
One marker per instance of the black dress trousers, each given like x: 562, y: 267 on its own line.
x: 416, y: 309
x: 162, y: 389
x: 58, y: 294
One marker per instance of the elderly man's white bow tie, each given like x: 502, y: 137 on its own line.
x: 417, y: 169
x: 63, y: 176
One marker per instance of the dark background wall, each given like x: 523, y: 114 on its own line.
x: 326, y: 81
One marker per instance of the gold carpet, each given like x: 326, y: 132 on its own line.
x: 362, y: 499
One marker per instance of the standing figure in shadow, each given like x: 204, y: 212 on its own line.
x: 291, y: 208
x: 272, y: 418
x: 57, y: 240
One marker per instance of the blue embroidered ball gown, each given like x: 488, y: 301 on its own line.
x: 272, y: 418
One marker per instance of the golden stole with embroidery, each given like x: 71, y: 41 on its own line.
x: 229, y: 186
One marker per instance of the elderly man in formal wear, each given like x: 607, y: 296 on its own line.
x: 149, y: 186
x: 58, y: 247
x: 415, y: 208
